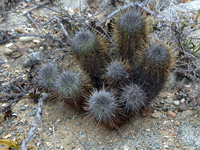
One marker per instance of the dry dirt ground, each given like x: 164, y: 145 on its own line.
x: 63, y: 128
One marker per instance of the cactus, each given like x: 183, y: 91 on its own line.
x: 129, y: 29
x: 104, y: 109
x: 132, y: 98
x: 124, y: 81
x: 155, y: 63
x: 46, y: 76
x: 117, y: 72
x: 90, y: 51
x: 71, y: 85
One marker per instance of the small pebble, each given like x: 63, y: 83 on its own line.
x: 78, y: 123
x: 23, y: 108
x: 9, y: 45
x: 182, y: 100
x: 26, y: 39
x: 168, y: 101
x: 176, y: 103
x: 7, y: 51
x: 36, y: 41
x: 148, y: 130
x: 172, y: 114
x: 41, y: 48
x: 31, y: 114
x: 182, y: 107
x: 5, y: 104
x: 156, y: 115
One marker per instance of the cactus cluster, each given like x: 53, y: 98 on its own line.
x: 110, y: 88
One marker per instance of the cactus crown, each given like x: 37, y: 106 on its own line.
x: 68, y: 83
x: 47, y: 75
x: 116, y: 71
x: 133, y: 97
x: 131, y: 23
x: 102, y: 105
x: 84, y: 42
x: 157, y: 54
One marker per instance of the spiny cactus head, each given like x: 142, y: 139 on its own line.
x: 68, y: 83
x: 116, y: 71
x: 131, y: 23
x: 46, y: 75
x: 157, y: 55
x: 103, y: 107
x: 133, y: 98
x: 84, y: 42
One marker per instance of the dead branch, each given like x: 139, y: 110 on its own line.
x: 33, y: 127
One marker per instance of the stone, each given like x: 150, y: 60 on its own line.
x: 185, y: 81
x: 9, y: 45
x: 156, y: 115
x: 1, y: 61
x: 172, y: 114
x: 192, y: 103
x: 31, y: 114
x: 33, y: 58
x: 36, y: 41
x: 176, y: 103
x: 26, y: 39
x: 182, y: 107
x: 8, y: 51
x: 168, y: 101
x: 182, y: 100
x: 23, y: 108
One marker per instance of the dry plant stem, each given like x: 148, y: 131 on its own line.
x: 133, y: 4
x: 39, y: 143
x: 80, y: 141
x: 136, y: 139
x: 33, y: 127
x: 99, y: 24
x: 31, y: 19
x: 62, y: 27
x: 54, y: 139
x: 83, y: 24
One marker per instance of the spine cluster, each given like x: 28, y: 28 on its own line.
x: 123, y: 84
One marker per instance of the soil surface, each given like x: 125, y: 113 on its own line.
x: 172, y: 123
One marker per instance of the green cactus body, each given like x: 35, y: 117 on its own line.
x: 132, y: 99
x: 46, y: 76
x: 156, y: 60
x: 90, y: 50
x: 71, y: 86
x: 117, y: 73
x: 129, y: 29
x: 104, y: 109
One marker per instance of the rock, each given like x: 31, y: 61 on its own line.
x: 5, y: 104
x: 156, y: 115
x: 182, y: 100
x: 36, y: 41
x: 176, y: 103
x: 26, y: 39
x: 192, y: 103
x: 41, y: 48
x: 182, y: 107
x: 29, y: 50
x: 188, y: 136
x: 172, y: 114
x: 198, y: 123
x: 7, y: 51
x: 148, y: 130
x: 23, y: 108
x: 185, y: 81
x: 31, y: 114
x: 9, y: 45
x: 33, y: 58
x: 78, y: 123
x: 168, y: 101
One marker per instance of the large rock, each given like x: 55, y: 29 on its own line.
x: 189, y: 136
x: 33, y: 58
